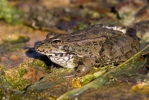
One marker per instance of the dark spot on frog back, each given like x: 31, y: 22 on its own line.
x: 88, y: 43
x: 95, y: 43
x: 68, y: 39
x: 95, y: 31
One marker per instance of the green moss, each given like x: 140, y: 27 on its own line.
x: 38, y: 63
x: 21, y: 39
x: 9, y: 47
x: 12, y: 78
x: 88, y: 78
x: 8, y: 13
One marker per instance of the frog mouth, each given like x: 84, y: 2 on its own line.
x: 65, y: 54
x: 56, y: 54
x: 60, y: 54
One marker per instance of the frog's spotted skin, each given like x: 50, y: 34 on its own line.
x: 96, y: 45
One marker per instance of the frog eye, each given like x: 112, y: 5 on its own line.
x: 56, y: 42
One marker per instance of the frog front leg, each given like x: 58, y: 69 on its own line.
x: 84, y: 67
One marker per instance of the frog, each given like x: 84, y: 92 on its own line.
x: 97, y: 45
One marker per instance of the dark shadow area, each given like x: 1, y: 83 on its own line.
x: 33, y: 54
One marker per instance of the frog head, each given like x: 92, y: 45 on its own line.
x: 57, y: 50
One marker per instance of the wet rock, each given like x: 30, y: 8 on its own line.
x: 142, y: 29
x: 141, y: 87
x: 33, y: 74
x: 142, y: 14
x: 128, y: 9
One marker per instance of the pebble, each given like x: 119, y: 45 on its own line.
x: 13, y: 57
x: 3, y: 59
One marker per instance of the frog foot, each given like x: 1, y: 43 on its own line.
x: 71, y: 75
x: 80, y: 71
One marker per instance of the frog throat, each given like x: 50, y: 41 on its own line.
x: 63, y: 59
